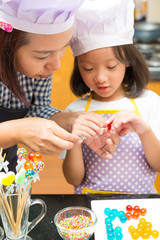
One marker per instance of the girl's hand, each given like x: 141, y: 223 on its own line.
x: 92, y: 128
x: 104, y: 145
x: 43, y: 135
x: 127, y: 121
x: 88, y: 124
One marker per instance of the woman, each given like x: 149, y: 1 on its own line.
x: 29, y: 55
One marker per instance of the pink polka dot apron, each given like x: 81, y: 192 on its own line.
x: 128, y: 171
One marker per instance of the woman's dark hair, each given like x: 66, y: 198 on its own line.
x: 136, y: 77
x: 9, y: 44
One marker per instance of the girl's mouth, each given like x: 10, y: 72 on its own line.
x: 102, y: 89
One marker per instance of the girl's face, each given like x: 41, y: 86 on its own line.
x: 42, y: 55
x: 102, y: 73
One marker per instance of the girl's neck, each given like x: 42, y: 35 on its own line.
x: 109, y: 98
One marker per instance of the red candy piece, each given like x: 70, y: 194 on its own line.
x: 129, y: 215
x: 30, y: 156
x: 136, y: 209
x: 109, y: 126
x: 129, y: 208
x: 143, y: 211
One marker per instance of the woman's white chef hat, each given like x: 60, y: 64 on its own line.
x: 103, y: 23
x: 39, y: 16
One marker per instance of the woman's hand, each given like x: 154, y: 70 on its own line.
x: 40, y: 135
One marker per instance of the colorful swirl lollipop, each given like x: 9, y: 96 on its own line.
x: 21, y: 153
x: 38, y: 166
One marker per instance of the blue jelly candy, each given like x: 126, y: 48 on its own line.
x: 123, y: 219
x: 118, y: 230
x: 121, y: 213
x: 110, y: 230
x: 108, y: 220
x: 110, y: 236
x: 109, y: 225
x: 107, y: 211
x: 118, y: 236
x: 112, y: 216
x: 115, y: 212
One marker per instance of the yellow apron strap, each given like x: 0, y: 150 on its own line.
x: 88, y: 102
x: 86, y: 190
x: 135, y: 107
x: 113, y: 111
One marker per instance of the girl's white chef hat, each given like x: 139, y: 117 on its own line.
x: 103, y: 23
x: 39, y: 16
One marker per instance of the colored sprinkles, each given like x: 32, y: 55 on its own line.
x: 77, y: 222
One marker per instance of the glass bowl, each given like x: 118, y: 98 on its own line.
x: 1, y: 233
x: 75, y: 223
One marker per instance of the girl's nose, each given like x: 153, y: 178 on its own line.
x: 101, y: 76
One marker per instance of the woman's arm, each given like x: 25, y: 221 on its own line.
x: 73, y: 166
x: 38, y: 134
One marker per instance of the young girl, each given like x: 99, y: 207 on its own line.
x: 33, y: 38
x: 113, y: 72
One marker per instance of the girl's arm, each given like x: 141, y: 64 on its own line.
x: 73, y: 166
x: 128, y: 121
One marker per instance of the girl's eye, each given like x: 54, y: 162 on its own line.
x: 41, y: 58
x: 112, y: 67
x: 88, y: 69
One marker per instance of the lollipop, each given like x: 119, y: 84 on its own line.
x: 38, y: 166
x: 28, y: 165
x: 21, y: 153
x: 29, y: 174
x: 8, y: 178
x: 37, y: 156
x: 30, y: 156
x: 20, y: 176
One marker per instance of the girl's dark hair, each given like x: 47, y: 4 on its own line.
x: 136, y: 77
x: 9, y: 44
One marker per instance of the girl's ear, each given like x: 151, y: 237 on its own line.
x: 127, y: 65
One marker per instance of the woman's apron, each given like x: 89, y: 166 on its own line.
x: 6, y: 115
x: 127, y: 171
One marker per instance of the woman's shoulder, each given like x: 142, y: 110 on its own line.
x: 78, y: 105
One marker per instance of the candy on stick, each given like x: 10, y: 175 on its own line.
x: 30, y: 156
x: 8, y: 179
x: 28, y: 165
x: 37, y: 156
x: 38, y: 166
x: 29, y: 174
x: 21, y: 153
x: 20, y: 176
x: 26, y: 170
x: 17, y: 183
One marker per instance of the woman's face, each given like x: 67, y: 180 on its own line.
x: 42, y: 55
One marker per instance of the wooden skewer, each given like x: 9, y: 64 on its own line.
x: 7, y: 210
x: 22, y: 206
